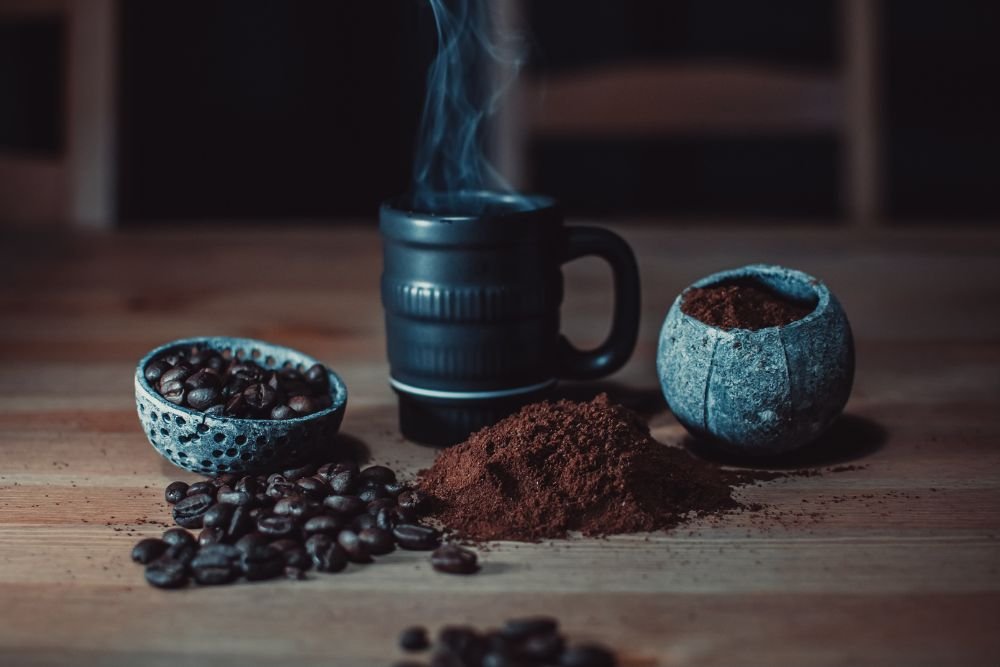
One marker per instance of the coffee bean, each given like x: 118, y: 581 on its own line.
x: 356, y: 550
x: 386, y: 519
x: 147, y: 550
x: 262, y: 562
x: 293, y: 554
x: 240, y: 524
x: 155, y: 370
x: 218, y: 515
x: 182, y: 553
x: 221, y: 550
x: 173, y: 392
x: 175, y: 492
x: 190, y: 512
x: 346, y: 505
x: 375, y: 506
x: 463, y: 642
x: 250, y: 484
x: 363, y: 522
x: 414, y: 639
x: 413, y: 499
x: 204, y: 379
x: 377, y: 541
x: 453, y: 559
x: 215, y: 574
x: 283, y: 412
x: 215, y: 410
x: 587, y: 655
x: 237, y: 407
x: 518, y: 629
x: 225, y: 481
x: 294, y: 474
x: 202, y: 487
x: 166, y: 574
x: 211, y: 535
x: 323, y: 523
x: 372, y: 491
x: 296, y: 507
x: 215, y: 362
x: 396, y: 488
x: 275, y: 526
x: 178, y: 373
x: 332, y: 558
x: 251, y: 540
x: 378, y: 474
x: 280, y: 488
x: 234, y: 387
x: 202, y: 398
x: 545, y: 648
x: 312, y: 487
x: 172, y: 358
x: 260, y: 397
x: 318, y: 376
x: 303, y: 405
x: 235, y: 498
x: 344, y: 483
x: 173, y: 536
x: 317, y: 542
x: 416, y: 537
x: 498, y: 659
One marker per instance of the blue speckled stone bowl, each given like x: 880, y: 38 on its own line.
x: 765, y: 391
x: 212, y: 445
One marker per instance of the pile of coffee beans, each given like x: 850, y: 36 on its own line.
x: 205, y: 380
x: 267, y: 526
x: 521, y: 642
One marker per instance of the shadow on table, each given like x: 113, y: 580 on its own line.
x: 850, y: 439
x: 646, y: 401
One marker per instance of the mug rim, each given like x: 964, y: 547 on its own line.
x: 400, y: 206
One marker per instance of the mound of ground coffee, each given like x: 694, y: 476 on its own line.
x: 742, y: 304
x: 563, y: 466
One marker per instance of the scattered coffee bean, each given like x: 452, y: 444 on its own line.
x: 262, y: 562
x: 519, y: 629
x: 416, y: 537
x: 203, y: 398
x: 166, y: 574
x: 453, y: 559
x: 414, y: 639
x: 378, y: 474
x: 333, y: 558
x: 275, y: 526
x: 202, y: 487
x: 356, y: 550
x: 175, y: 492
x: 173, y: 392
x: 174, y: 536
x: 377, y: 540
x: 587, y: 655
x: 218, y: 515
x: 283, y: 412
x: 148, y: 550
x: 190, y: 512
x: 346, y: 505
x: 324, y: 523
x: 155, y: 370
x: 211, y: 535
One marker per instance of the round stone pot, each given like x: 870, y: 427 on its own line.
x: 765, y: 391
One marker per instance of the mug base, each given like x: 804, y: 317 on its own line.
x: 439, y: 422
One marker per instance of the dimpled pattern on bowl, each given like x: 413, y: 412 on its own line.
x: 212, y: 445
x: 765, y: 391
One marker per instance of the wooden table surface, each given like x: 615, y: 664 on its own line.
x: 896, y: 562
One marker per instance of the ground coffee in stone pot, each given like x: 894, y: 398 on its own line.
x: 556, y: 467
x: 742, y: 304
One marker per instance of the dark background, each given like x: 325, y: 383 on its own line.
x: 265, y: 109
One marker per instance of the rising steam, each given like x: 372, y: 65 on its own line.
x: 473, y: 68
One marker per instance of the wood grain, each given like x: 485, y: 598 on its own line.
x: 893, y: 561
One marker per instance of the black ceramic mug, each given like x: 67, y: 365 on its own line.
x: 472, y: 310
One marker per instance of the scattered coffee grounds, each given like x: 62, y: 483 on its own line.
x: 317, y: 516
x: 743, y: 304
x: 527, y: 642
x: 206, y: 381
x: 556, y: 467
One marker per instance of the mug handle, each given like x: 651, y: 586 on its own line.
x: 609, y: 356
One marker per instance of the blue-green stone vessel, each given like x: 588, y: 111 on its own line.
x: 765, y: 391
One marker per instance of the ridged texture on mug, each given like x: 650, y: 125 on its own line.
x: 490, y: 303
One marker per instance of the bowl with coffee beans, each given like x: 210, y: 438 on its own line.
x: 236, y: 405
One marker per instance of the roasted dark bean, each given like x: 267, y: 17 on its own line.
x: 204, y: 379
x: 279, y: 489
x: 378, y: 474
x: 372, y: 491
x: 202, y: 398
x: 262, y: 563
x: 416, y: 537
x: 202, y: 487
x: 296, y: 507
x: 251, y: 540
x: 414, y: 639
x: 165, y: 573
x: 318, y: 376
x: 363, y: 522
x: 295, y: 573
x: 324, y: 523
x: 312, y: 487
x: 303, y: 405
x: 386, y: 519
x: 518, y: 629
x: 317, y: 543
x: 293, y: 554
x: 332, y: 558
x: 178, y: 373
x: 182, y: 553
x: 250, y: 484
x: 356, y: 550
x: 173, y: 392
x: 218, y: 515
x: 396, y: 488
x: 240, y: 524
x: 375, y: 506
x: 587, y: 655
x: 377, y: 541
x: 544, y: 648
x: 293, y: 474
x: 347, y: 505
x: 239, y: 498
x: 283, y: 412
x: 344, y: 483
x: 155, y: 370
x: 453, y: 559
x: 211, y: 535
x: 260, y: 397
x: 147, y: 550
x: 174, y: 536
x: 276, y: 526
x: 221, y: 550
x: 413, y: 499
x: 189, y: 512
x: 175, y: 492
x: 237, y: 407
